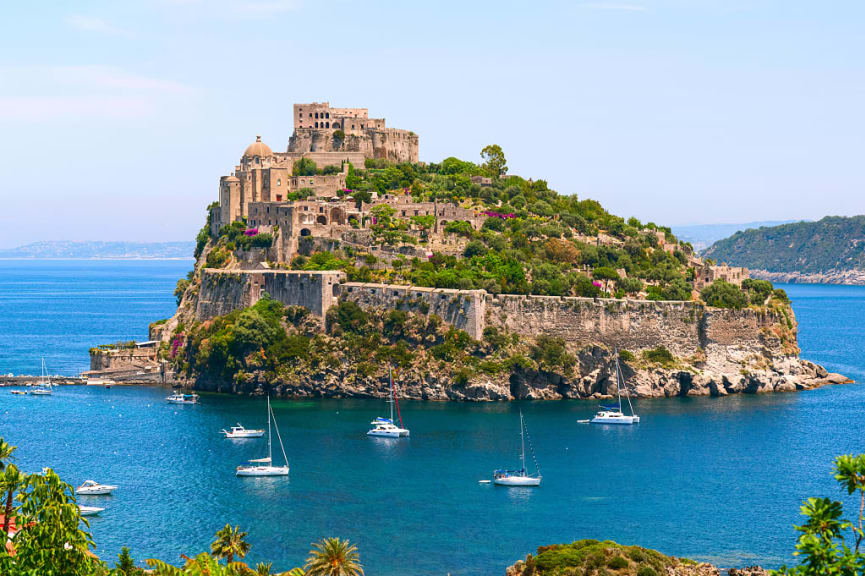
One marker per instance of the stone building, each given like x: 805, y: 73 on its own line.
x: 327, y: 136
x: 318, y: 128
x: 708, y: 273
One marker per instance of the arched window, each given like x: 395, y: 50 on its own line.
x: 327, y: 124
x: 316, y: 124
x: 327, y: 115
x: 316, y: 114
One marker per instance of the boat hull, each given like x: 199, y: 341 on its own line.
x: 262, y: 471
x: 620, y: 420
x: 517, y: 481
x: 89, y: 510
x: 398, y: 433
x: 100, y: 491
x: 247, y: 434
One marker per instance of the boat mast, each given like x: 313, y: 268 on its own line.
x: 522, y: 443
x: 620, y: 375
x: 278, y: 435
x: 391, y: 393
x: 618, y: 382
x: 269, y: 454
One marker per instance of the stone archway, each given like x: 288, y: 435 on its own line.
x: 337, y: 216
x: 321, y: 219
x: 305, y: 232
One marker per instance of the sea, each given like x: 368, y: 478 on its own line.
x: 713, y: 479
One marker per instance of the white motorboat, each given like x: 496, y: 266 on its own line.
x: 43, y: 388
x: 614, y: 414
x: 91, y: 488
x: 520, y: 477
x: 89, y: 510
x: 240, y: 432
x: 182, y: 398
x: 264, y: 466
x: 384, y: 427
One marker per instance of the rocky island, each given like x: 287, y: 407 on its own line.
x: 320, y: 266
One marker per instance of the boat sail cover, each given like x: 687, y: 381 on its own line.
x: 261, y: 460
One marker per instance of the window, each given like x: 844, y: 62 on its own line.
x: 310, y: 114
x: 316, y: 114
x: 327, y: 124
x: 327, y: 115
x: 352, y: 126
x: 279, y: 181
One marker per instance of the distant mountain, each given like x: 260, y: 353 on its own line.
x: 833, y: 244
x: 101, y: 250
x: 701, y: 236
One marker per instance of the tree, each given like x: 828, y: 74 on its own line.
x: 494, y: 160
x: 821, y: 543
x: 230, y: 542
x: 51, y: 541
x: 6, y: 451
x: 125, y: 564
x: 721, y: 294
x: 304, y: 167
x: 333, y: 557
x: 11, y: 480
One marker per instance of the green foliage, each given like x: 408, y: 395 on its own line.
x: 808, y: 247
x: 721, y: 294
x: 333, y: 557
x: 126, y: 565
x: 230, y: 542
x: 304, y: 167
x: 626, y: 356
x: 758, y: 290
x: 495, y: 164
x: 587, y: 557
x: 822, y: 544
x: 659, y: 355
x: 338, y: 135
x: 551, y: 354
x: 180, y: 289
x: 52, y: 542
x: 347, y: 317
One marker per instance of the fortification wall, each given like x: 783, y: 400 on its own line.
x: 463, y: 309
x: 225, y: 290
x: 687, y: 329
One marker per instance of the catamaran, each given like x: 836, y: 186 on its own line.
x: 384, y: 427
x: 240, y: 432
x: 182, y: 398
x: 264, y: 466
x: 614, y: 414
x: 43, y: 388
x: 520, y: 477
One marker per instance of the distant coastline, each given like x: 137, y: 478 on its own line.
x: 833, y: 277
x: 100, y: 250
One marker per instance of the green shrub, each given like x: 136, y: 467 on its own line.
x: 617, y: 563
x: 646, y: 571
x: 721, y: 294
x: 659, y: 355
x: 626, y: 356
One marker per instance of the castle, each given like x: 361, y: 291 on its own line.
x: 264, y: 189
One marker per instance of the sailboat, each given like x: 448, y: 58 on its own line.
x: 264, y: 466
x: 384, y: 427
x: 519, y: 477
x: 43, y: 388
x: 614, y: 414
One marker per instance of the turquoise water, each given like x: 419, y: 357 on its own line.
x: 61, y: 308
x: 718, y: 479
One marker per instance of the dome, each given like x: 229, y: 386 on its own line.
x: 258, y: 148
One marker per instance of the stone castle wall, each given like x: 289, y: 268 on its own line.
x: 687, y: 329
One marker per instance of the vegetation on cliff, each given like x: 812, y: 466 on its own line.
x: 591, y: 557
x: 833, y: 243
x: 273, y: 343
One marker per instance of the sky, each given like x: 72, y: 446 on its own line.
x: 118, y: 118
